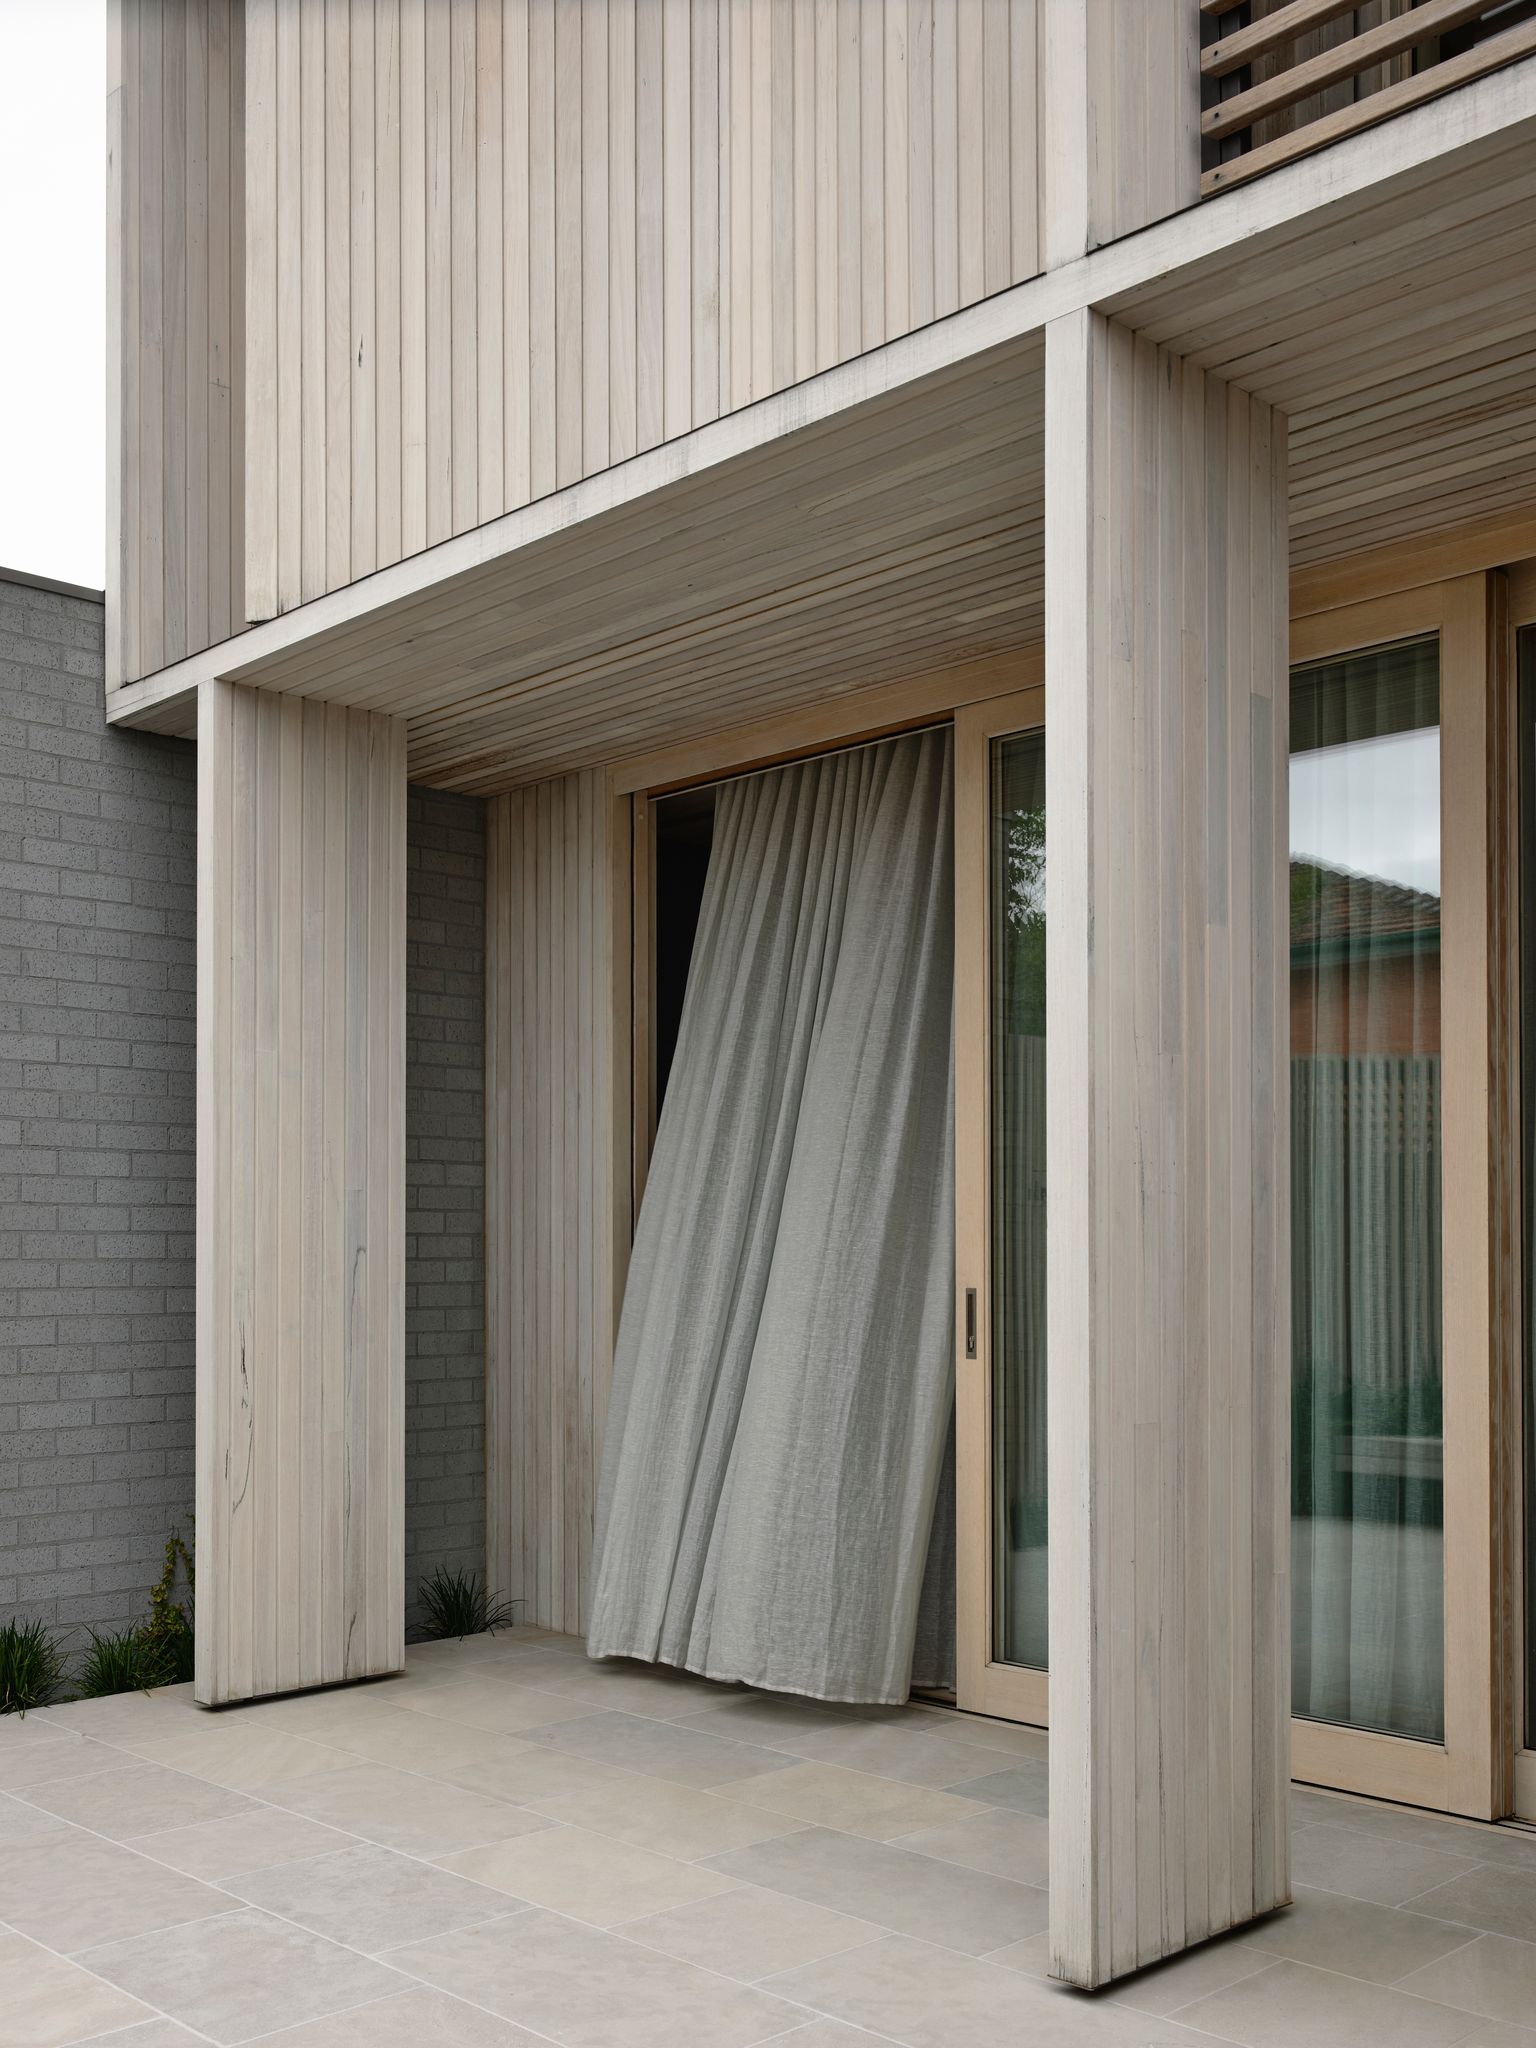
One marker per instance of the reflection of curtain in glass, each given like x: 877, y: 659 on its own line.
x: 1020, y: 1282
x: 1365, y: 1122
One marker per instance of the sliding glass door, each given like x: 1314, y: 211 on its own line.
x: 1393, y: 1418
x: 1394, y: 1573
x: 1368, y: 1441
x: 1525, y: 893
x: 1000, y: 853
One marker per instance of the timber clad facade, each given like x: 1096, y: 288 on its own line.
x: 474, y: 251
x: 572, y: 403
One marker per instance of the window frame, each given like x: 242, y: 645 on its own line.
x: 1468, y: 1772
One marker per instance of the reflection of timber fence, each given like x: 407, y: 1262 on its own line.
x: 1364, y: 1215
x: 1365, y: 1219
x: 1365, y: 1285
x: 1018, y: 1224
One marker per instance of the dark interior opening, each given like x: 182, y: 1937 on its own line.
x: 684, y: 826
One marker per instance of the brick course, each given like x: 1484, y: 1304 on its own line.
x: 97, y: 1129
x: 97, y: 987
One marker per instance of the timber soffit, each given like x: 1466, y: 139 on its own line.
x: 1380, y: 290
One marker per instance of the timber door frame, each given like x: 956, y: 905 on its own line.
x: 970, y: 698
x: 850, y: 720
x: 1467, y: 1773
x: 983, y: 1684
x: 1516, y: 614
x: 1471, y: 1773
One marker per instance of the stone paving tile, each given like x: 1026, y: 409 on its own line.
x: 509, y: 1845
x: 21, y: 1822
x: 1488, y: 1897
x: 74, y: 1891
x: 661, y: 1749
x: 47, y: 2001
x: 890, y: 1885
x: 242, y: 1975
x: 136, y: 1800
x: 418, y: 2018
x: 368, y: 1898
x: 1291, y: 2005
x: 401, y: 1810
x: 586, y: 1875
x: 32, y: 1753
x: 160, y: 2033
x: 751, y: 1933
x: 588, y: 1989
x: 1375, y: 1943
x: 215, y: 1849
x: 1492, y: 1976
x: 927, y: 1997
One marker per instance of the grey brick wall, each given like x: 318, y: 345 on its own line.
x: 97, y: 960
x: 445, y: 1187
x: 97, y: 1116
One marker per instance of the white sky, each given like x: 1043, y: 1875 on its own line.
x: 53, y: 288
x: 1372, y: 806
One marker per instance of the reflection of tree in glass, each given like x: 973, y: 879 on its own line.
x: 1023, y: 919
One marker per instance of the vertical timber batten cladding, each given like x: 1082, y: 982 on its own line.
x: 1167, y: 1134
x: 300, y: 1193
x: 498, y: 245
x: 175, y: 330
x: 1120, y: 119
x: 557, y: 1177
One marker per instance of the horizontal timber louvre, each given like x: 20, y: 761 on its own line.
x: 1303, y: 73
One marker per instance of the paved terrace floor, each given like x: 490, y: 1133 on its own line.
x: 510, y: 1845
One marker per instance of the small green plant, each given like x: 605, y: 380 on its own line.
x: 31, y: 1666
x: 460, y: 1604
x: 167, y: 1637
x: 119, y: 1663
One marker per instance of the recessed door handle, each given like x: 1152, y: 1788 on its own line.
x: 970, y: 1322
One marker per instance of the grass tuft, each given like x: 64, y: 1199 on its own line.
x: 126, y: 1662
x: 460, y: 1604
x: 31, y: 1666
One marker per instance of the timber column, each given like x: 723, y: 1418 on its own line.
x: 300, y: 1193
x: 1168, y: 1240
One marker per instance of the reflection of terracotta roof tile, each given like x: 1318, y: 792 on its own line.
x: 1329, y: 904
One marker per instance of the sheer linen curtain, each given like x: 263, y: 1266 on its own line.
x: 1367, y: 1433
x: 783, y: 1378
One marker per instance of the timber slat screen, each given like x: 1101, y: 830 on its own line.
x: 1280, y: 78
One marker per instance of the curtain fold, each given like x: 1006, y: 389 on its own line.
x: 783, y: 1377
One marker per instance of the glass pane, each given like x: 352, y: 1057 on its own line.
x: 1017, y: 909
x: 1367, y: 1447
x: 1527, y: 684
